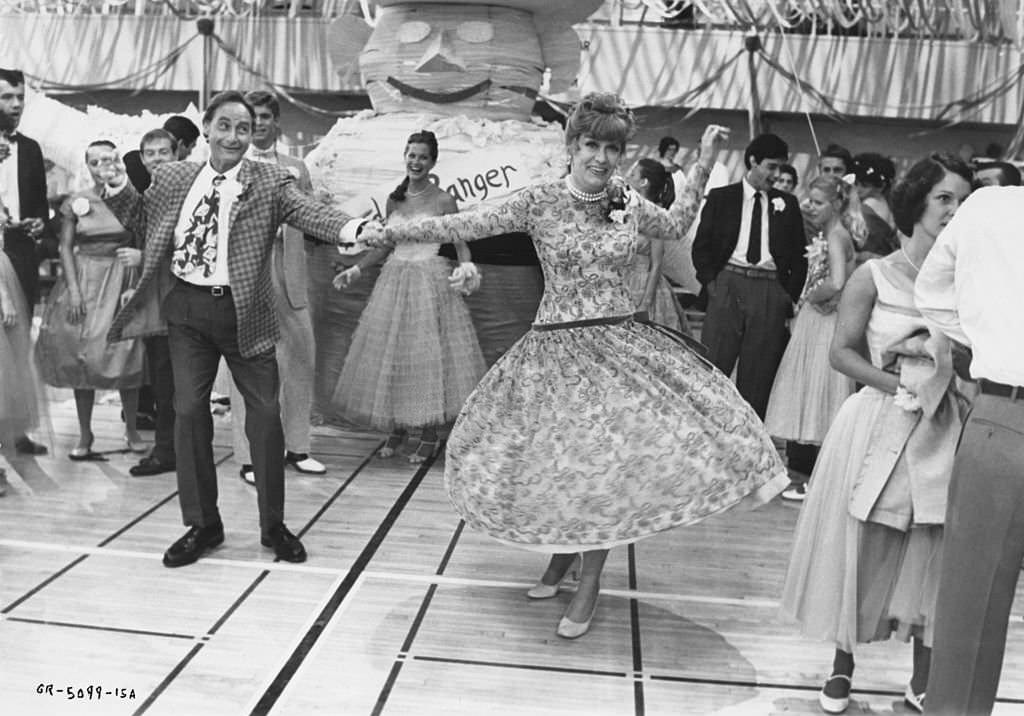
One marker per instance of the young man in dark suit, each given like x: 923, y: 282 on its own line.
x: 749, y: 255
x: 23, y: 192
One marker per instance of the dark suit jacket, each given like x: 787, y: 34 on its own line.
x: 719, y: 231
x: 18, y: 245
x: 269, y: 197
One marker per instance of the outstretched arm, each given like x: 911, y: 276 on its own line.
x: 510, y: 216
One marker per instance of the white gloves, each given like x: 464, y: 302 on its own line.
x: 347, y: 277
x: 465, y: 278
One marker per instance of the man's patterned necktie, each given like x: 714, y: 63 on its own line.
x: 198, y: 249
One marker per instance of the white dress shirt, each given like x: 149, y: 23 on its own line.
x: 9, y: 194
x: 971, y: 285
x: 739, y: 255
x: 229, y: 190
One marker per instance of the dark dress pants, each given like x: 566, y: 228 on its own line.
x: 200, y: 329
x: 746, y: 322
x: 983, y: 547
x: 158, y: 354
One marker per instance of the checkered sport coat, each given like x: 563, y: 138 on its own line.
x: 269, y: 198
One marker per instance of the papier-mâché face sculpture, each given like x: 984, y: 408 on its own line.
x: 478, y: 60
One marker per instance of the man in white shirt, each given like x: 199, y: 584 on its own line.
x: 971, y: 288
x: 210, y: 229
x: 296, y: 351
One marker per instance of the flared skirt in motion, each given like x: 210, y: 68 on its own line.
x: 589, y: 437
x: 807, y: 392
x: 851, y: 581
x: 414, y: 356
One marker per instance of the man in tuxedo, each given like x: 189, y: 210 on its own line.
x: 23, y: 192
x: 749, y: 256
x: 296, y: 351
x: 209, y: 230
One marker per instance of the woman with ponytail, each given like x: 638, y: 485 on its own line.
x: 651, y: 291
x: 808, y: 392
x: 414, y: 357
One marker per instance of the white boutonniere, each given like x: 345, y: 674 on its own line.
x: 230, y: 187
x: 778, y: 204
x: 618, y: 216
x: 80, y: 206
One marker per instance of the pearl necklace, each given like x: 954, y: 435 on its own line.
x: 417, y: 193
x: 581, y: 195
x: 917, y: 269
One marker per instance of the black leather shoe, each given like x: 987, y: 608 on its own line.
x: 151, y: 466
x: 26, y: 446
x: 192, y: 545
x: 286, y: 546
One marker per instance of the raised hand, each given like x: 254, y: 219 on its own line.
x: 712, y: 142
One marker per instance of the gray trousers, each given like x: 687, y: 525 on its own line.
x: 746, y: 322
x: 983, y: 549
x: 296, y: 355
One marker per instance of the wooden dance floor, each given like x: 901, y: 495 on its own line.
x: 399, y: 610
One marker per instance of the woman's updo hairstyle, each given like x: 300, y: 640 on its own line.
x: 910, y: 195
x: 603, y: 116
x: 872, y: 169
x: 421, y: 137
x: 659, y: 181
x: 850, y: 214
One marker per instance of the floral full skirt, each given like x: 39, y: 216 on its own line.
x: 414, y: 356
x: 77, y: 355
x: 850, y: 581
x: 807, y: 392
x: 589, y: 437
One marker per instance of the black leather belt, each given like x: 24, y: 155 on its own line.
x: 751, y: 272
x: 215, y: 291
x: 1001, y: 390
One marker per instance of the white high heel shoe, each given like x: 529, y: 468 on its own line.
x: 568, y: 629
x: 546, y: 591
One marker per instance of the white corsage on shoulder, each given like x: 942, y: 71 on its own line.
x: 906, y: 400
x: 778, y: 204
x: 80, y: 206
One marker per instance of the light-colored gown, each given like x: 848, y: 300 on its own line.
x: 414, y: 356
x: 808, y: 392
x: 19, y: 386
x: 78, y: 355
x: 852, y: 580
x: 603, y: 431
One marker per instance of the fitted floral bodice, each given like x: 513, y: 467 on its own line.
x: 583, y: 254
x: 894, y: 315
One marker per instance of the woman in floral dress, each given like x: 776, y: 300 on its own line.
x: 594, y: 430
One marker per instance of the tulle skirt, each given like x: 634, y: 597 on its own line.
x: 20, y: 391
x: 590, y: 437
x: 808, y: 392
x: 414, y: 356
x: 78, y: 355
x: 850, y: 581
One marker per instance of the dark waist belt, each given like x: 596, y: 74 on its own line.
x: 751, y: 272
x: 1001, y: 390
x: 608, y: 321
x: 215, y: 291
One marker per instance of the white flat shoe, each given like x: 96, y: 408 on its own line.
x: 830, y: 704
x: 914, y: 701
x: 304, y: 463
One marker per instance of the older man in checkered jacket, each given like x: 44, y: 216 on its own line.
x: 209, y: 232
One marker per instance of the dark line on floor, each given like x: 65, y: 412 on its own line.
x: 337, y: 493
x: 291, y: 666
x: 527, y: 667
x: 162, y: 686
x: 99, y: 627
x: 639, y: 706
x: 414, y: 628
x: 39, y: 587
x: 237, y: 603
x: 138, y: 519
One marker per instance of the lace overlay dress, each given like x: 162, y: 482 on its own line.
x: 851, y: 581
x: 594, y: 435
x: 807, y: 392
x: 414, y: 357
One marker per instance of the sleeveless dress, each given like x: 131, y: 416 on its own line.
x: 808, y: 392
x: 594, y: 430
x: 414, y: 356
x: 852, y: 581
x: 19, y: 385
x: 78, y: 355
x: 666, y: 309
